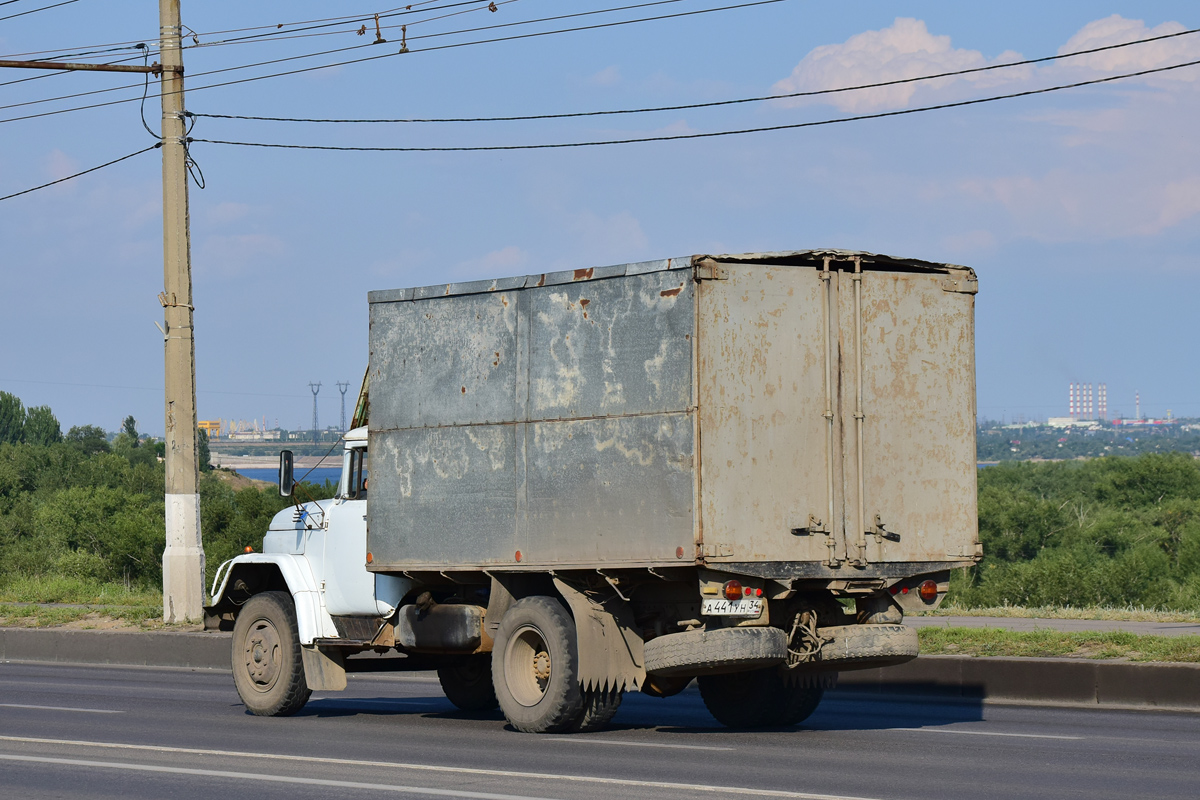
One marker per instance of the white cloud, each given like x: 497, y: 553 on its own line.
x: 908, y: 50
x: 1120, y: 164
x: 1065, y: 205
x: 905, y: 50
x: 1118, y: 30
x: 59, y: 165
x: 609, y: 76
x: 1179, y: 201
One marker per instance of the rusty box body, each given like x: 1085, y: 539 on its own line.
x: 806, y: 414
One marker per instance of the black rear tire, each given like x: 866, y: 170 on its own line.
x: 268, y: 669
x: 758, y: 699
x: 799, y: 702
x: 467, y: 682
x: 535, y: 667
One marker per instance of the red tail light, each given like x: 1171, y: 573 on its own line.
x: 928, y: 591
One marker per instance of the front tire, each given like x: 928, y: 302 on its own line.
x: 535, y: 667
x: 268, y: 669
x: 467, y: 682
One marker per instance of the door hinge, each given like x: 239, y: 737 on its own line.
x: 708, y: 270
x: 960, y: 285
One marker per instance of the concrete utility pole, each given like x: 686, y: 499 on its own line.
x: 183, y: 560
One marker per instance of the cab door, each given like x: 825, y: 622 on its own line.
x: 341, y: 552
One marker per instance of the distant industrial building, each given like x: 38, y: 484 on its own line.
x: 1071, y: 422
x: 1086, y: 409
x: 239, y: 430
x: 1084, y: 405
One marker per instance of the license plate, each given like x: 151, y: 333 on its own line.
x: 715, y: 607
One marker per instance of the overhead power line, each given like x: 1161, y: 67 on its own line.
x: 279, y: 27
x: 365, y: 19
x: 713, y: 134
x: 715, y: 103
x: 85, y: 172
x: 334, y: 51
x: 275, y: 29
x: 89, y: 48
x: 193, y: 89
x: 35, y: 10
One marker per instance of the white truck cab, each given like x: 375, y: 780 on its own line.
x: 316, y: 549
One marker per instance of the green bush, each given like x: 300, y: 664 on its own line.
x: 81, y: 518
x: 1108, y: 532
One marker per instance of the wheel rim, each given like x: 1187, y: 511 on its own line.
x: 528, y: 667
x: 263, y: 655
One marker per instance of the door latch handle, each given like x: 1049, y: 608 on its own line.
x: 881, y: 533
x: 813, y: 525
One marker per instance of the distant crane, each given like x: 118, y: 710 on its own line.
x: 316, y: 429
x: 342, y: 387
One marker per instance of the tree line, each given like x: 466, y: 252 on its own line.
x: 1111, y: 531
x: 80, y: 506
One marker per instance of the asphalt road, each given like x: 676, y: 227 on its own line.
x: 103, y: 732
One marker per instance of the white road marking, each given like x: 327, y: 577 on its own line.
x: 499, y: 773
x: 62, y: 708
x: 257, y: 776
x: 579, y: 740
x: 988, y: 733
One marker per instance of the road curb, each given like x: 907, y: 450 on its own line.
x: 158, y: 649
x: 1057, y: 681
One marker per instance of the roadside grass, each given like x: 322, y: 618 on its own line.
x: 81, y: 617
x: 1058, y: 644
x: 1121, y: 613
x: 81, y: 603
x: 80, y: 591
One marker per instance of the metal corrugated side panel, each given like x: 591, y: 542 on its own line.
x: 553, y: 420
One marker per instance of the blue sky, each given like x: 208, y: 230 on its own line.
x: 1078, y: 209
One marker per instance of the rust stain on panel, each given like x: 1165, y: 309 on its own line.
x: 583, y: 274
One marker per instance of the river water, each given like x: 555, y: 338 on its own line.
x: 316, y: 475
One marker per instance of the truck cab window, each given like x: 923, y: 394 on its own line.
x: 356, y: 486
